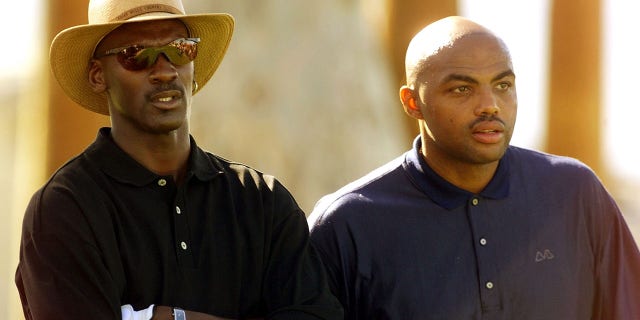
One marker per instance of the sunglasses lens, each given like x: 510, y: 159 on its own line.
x: 131, y: 59
x: 178, y: 52
x: 176, y: 56
x: 186, y: 50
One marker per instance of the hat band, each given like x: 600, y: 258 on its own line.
x: 146, y: 9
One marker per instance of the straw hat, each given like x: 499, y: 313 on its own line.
x: 72, y: 48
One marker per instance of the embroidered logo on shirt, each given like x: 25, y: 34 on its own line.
x: 544, y: 255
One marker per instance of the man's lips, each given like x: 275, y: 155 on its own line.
x: 488, y: 131
x: 166, y: 99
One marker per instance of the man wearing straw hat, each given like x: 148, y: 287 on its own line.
x: 145, y: 224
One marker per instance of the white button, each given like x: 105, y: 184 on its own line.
x: 489, y: 285
x: 475, y: 201
x: 483, y: 241
x: 183, y: 245
x: 162, y: 182
x: 178, y: 210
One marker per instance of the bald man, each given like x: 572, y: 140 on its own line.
x: 465, y: 226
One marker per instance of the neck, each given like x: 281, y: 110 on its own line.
x: 467, y: 176
x: 163, y: 154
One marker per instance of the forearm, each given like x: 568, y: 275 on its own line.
x: 166, y: 313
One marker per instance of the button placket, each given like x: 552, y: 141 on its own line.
x: 481, y: 226
x: 183, y: 244
x: 180, y: 225
x: 182, y: 235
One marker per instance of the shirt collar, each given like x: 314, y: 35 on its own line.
x: 444, y: 193
x: 119, y: 165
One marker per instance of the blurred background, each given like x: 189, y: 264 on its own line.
x: 308, y: 93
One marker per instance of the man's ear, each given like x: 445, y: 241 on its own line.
x: 409, y: 98
x: 96, y: 76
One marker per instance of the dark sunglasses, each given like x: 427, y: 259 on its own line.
x: 136, y: 57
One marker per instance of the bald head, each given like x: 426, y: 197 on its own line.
x: 436, y: 38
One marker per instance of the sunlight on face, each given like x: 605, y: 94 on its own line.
x: 527, y: 20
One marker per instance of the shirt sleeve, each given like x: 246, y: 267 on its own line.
x: 128, y: 313
x: 333, y: 240
x: 61, y: 274
x: 295, y: 277
x: 617, y: 260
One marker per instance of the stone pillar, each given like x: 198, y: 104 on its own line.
x: 305, y: 92
x: 574, y: 126
x: 70, y: 127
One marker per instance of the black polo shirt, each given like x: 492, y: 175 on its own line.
x: 105, y: 232
x: 543, y: 240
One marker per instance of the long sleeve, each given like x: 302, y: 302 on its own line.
x: 617, y: 277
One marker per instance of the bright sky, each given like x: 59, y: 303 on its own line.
x: 622, y: 66
x: 526, y: 20
x: 22, y: 20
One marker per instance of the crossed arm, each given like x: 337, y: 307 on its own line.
x: 163, y: 313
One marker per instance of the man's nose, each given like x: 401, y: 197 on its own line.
x: 487, y: 103
x: 163, y: 70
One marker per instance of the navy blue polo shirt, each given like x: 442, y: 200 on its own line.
x: 543, y: 240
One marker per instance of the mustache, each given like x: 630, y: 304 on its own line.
x: 165, y: 87
x: 486, y: 118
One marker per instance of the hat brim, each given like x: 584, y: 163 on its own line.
x: 72, y: 49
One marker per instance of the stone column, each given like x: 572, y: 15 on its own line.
x: 574, y: 125
x: 305, y: 93
x: 70, y: 127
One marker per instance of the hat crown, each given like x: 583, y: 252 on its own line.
x: 107, y: 11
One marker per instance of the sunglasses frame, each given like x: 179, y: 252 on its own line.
x: 144, y: 57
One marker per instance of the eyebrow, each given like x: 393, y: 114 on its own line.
x: 465, y: 78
